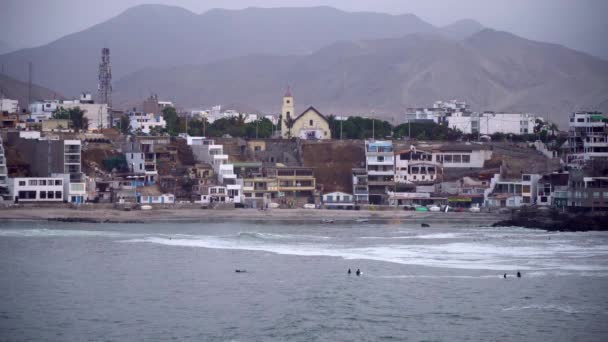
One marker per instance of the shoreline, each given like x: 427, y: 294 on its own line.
x: 293, y: 216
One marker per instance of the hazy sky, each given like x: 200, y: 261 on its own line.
x: 579, y: 24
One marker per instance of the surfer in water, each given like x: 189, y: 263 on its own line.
x: 358, y: 272
x: 504, y: 276
x: 518, y: 274
x: 349, y: 271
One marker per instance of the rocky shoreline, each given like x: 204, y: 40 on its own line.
x: 553, y: 220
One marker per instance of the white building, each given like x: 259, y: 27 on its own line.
x: 160, y: 199
x: 206, y: 151
x: 165, y: 104
x: 490, y: 122
x: 415, y: 166
x: 461, y: 155
x: 96, y: 113
x: 338, y: 200
x: 43, y: 110
x: 588, y: 138
x: 512, y: 193
x: 380, y: 167
x: 9, y: 106
x: 37, y: 189
x: 145, y: 121
x: 4, y: 186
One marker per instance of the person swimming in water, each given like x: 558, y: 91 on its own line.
x: 518, y: 274
x: 358, y: 272
x: 504, y: 276
x: 349, y: 271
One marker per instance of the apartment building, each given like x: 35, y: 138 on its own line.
x: 587, y: 138
x: 37, y: 189
x: 380, y: 168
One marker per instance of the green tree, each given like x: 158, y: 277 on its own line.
x: 75, y: 117
x: 289, y: 122
x: 173, y: 121
x: 125, y: 125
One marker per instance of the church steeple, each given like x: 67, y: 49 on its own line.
x: 287, y: 111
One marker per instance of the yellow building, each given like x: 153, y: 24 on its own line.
x: 310, y: 125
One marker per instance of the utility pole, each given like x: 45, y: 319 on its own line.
x: 342, y: 119
x: 373, y: 127
x: 29, y: 83
x: 256, y: 128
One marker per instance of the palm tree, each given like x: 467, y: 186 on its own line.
x: 289, y: 122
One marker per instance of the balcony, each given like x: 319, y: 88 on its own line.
x: 72, y: 149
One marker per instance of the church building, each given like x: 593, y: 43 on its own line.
x: 310, y: 125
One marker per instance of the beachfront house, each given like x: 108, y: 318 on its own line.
x: 338, y: 200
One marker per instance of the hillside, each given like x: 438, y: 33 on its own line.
x: 491, y: 70
x: 158, y: 35
x: 17, y: 90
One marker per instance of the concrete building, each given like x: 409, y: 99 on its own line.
x: 43, y: 110
x: 512, y: 193
x: 338, y: 200
x: 461, y: 155
x: 48, y: 155
x: 4, y: 181
x: 414, y: 166
x: 144, y: 122
x: 310, y: 125
x: 207, y: 151
x: 160, y: 199
x: 587, y: 193
x: 8, y: 105
x: 490, y: 122
x: 259, y: 191
x: 380, y: 167
x: 552, y: 190
x: 360, y: 186
x: 37, y: 189
x: 293, y: 181
x: 141, y: 158
x: 587, y: 138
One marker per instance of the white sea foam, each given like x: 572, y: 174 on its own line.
x: 452, y: 255
x: 544, y: 307
x: 46, y: 232
x: 424, y: 236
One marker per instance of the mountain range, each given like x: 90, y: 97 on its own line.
x: 342, y: 62
x: 18, y: 90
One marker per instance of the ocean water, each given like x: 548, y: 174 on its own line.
x: 177, y: 281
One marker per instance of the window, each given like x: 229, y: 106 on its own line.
x: 311, y: 122
x: 58, y: 182
x: 466, y: 158
x: 42, y: 194
x: 58, y: 194
x: 543, y: 199
x: 457, y: 158
x: 447, y: 158
x: 21, y: 183
x: 380, y: 158
x: 51, y: 195
x: 526, y: 178
x: 287, y: 101
x: 596, y: 194
x: 257, y: 148
x: 43, y: 182
x: 33, y: 182
x: 526, y: 188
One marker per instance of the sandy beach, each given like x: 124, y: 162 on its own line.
x: 102, y: 214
